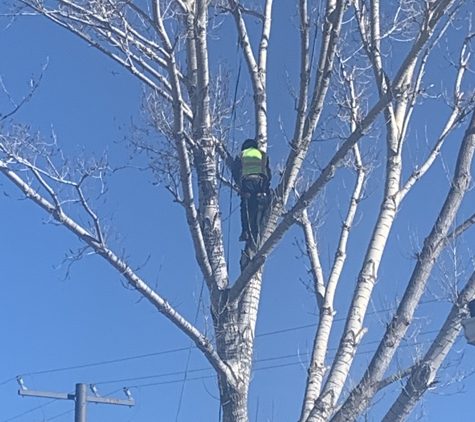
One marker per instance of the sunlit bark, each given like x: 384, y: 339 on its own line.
x: 433, y: 246
x: 173, y: 61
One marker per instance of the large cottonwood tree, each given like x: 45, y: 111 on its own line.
x: 363, y: 68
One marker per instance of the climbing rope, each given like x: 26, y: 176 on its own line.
x: 233, y: 130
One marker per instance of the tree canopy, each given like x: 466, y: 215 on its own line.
x: 363, y: 258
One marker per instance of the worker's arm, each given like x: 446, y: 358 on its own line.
x: 236, y: 170
x: 268, y: 174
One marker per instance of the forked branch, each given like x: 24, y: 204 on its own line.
x: 201, y: 341
x: 423, y: 375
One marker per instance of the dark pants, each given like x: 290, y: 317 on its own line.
x: 471, y: 306
x: 252, y: 189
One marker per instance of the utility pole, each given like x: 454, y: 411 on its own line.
x: 80, y: 408
x: 80, y: 397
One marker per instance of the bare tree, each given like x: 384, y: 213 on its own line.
x: 369, y: 77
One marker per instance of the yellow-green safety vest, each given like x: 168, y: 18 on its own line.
x: 253, y: 162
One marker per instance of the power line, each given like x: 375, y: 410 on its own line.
x: 61, y: 414
x: 262, y: 368
x: 173, y: 381
x: 168, y: 374
x: 340, y: 319
x: 285, y: 330
x: 189, y: 354
x: 29, y: 411
x: 8, y: 380
x: 282, y: 365
x: 183, y: 349
x: 106, y: 362
x: 255, y: 361
x: 255, y: 369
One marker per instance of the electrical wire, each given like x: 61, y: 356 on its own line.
x: 340, y: 319
x: 167, y: 374
x: 107, y: 362
x: 59, y: 415
x: 255, y: 369
x: 282, y: 365
x: 172, y: 381
x: 38, y: 400
x: 8, y: 380
x: 182, y: 391
x: 29, y: 411
x: 184, y: 349
x: 255, y: 362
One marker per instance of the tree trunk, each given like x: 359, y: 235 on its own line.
x: 233, y: 402
x: 362, y: 395
x: 423, y: 376
x: 235, y: 323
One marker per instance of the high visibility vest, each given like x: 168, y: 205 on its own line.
x: 253, y: 162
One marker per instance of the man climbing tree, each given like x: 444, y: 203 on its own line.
x: 362, y: 81
x: 252, y: 174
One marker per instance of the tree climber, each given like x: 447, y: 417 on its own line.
x: 252, y: 174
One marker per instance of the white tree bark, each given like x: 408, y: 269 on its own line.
x: 316, y: 370
x: 138, y: 38
x: 96, y: 243
x: 433, y: 246
x: 354, y: 330
x: 423, y: 376
x: 306, y: 123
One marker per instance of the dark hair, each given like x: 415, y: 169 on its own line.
x: 249, y: 143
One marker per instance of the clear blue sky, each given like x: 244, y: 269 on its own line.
x: 50, y: 323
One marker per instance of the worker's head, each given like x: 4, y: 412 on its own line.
x: 249, y: 143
